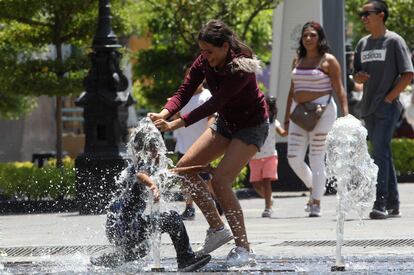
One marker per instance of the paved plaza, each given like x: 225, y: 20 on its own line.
x: 288, y: 242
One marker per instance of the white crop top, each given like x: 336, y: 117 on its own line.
x: 311, y: 79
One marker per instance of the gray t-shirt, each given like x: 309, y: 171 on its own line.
x: 384, y: 59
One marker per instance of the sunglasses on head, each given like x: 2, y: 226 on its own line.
x: 367, y: 13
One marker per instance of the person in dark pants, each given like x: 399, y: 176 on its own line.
x: 127, y: 227
x: 383, y: 65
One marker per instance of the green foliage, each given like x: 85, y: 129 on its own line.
x: 240, y: 179
x: 24, y: 180
x: 174, y: 25
x: 24, y: 37
x: 12, y: 106
x: 400, y: 19
x: 403, y: 154
x: 159, y: 80
x: 28, y: 27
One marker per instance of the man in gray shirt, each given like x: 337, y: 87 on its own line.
x: 383, y: 64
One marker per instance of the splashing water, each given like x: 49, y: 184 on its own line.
x: 156, y: 236
x: 152, y: 151
x: 146, y: 148
x: 349, y: 163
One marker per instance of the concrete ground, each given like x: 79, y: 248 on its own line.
x: 287, y: 236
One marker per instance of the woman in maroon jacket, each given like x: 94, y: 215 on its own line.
x: 229, y: 68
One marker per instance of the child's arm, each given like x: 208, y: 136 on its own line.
x: 147, y: 181
x: 191, y: 169
x: 281, y: 132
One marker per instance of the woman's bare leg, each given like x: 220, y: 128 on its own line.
x: 235, y: 158
x: 207, y: 148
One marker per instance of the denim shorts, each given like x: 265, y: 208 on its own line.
x: 255, y: 135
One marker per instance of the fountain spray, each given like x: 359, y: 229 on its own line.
x: 155, y: 155
x: 156, y: 236
x: 349, y: 164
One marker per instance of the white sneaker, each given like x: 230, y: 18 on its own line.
x: 267, y: 213
x: 214, y: 239
x: 308, y: 207
x: 239, y: 256
x: 315, y: 211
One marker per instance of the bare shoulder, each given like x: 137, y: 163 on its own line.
x: 330, y: 58
x: 330, y: 64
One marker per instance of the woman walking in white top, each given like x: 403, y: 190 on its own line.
x: 316, y: 74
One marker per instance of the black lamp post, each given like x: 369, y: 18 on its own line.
x: 105, y: 102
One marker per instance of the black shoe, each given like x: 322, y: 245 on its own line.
x: 188, y: 214
x: 378, y: 214
x: 394, y: 213
x: 194, y: 263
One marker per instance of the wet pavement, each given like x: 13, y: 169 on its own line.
x: 289, y: 242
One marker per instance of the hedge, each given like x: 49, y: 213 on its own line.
x: 25, y: 181
x: 403, y: 154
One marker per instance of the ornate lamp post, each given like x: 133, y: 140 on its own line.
x: 105, y: 102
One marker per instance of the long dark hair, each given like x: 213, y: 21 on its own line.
x: 323, y: 46
x: 216, y: 32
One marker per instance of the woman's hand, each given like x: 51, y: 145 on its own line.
x: 157, y: 116
x: 165, y: 126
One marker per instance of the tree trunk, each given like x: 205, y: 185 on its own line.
x: 59, y: 103
x: 59, y: 131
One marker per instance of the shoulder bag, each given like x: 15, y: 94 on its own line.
x: 307, y: 114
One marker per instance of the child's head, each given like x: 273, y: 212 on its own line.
x: 271, y: 104
x: 146, y: 142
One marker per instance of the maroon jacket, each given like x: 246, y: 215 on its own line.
x: 235, y: 94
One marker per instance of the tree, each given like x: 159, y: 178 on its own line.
x: 27, y: 29
x: 401, y: 19
x: 173, y: 26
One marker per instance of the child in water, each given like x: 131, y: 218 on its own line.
x: 127, y: 227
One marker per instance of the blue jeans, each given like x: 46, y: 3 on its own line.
x: 380, y: 126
